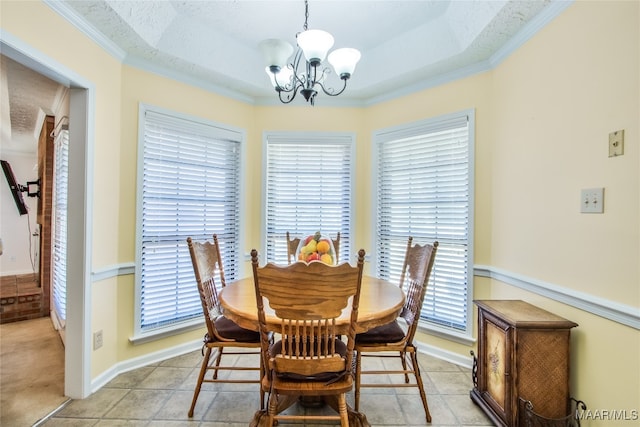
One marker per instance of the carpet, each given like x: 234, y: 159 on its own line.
x: 31, y: 372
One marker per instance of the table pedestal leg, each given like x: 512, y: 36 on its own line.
x: 261, y: 418
x: 356, y: 419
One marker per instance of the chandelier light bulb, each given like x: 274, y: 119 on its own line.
x: 276, y: 52
x: 280, y: 78
x: 344, y: 61
x: 315, y: 44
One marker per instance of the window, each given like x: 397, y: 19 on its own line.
x: 59, y: 253
x: 308, y: 188
x: 424, y: 189
x: 189, y: 186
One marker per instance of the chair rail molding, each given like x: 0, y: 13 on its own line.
x: 611, y: 310
x: 113, y: 271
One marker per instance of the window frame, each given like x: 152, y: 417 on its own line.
x: 140, y: 334
x: 295, y: 137
x: 415, y: 129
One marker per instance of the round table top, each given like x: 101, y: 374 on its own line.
x: 380, y: 303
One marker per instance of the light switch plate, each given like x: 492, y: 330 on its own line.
x: 592, y: 200
x: 616, y: 143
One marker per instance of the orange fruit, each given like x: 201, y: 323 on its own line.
x: 323, y: 246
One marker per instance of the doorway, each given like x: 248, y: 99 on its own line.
x: 81, y: 116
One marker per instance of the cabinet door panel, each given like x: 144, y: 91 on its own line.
x: 496, y: 364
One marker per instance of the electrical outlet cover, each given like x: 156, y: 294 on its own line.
x: 97, y: 340
x: 616, y: 143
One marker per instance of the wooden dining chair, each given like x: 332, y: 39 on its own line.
x: 221, y: 333
x: 309, y: 359
x: 336, y: 247
x: 292, y: 247
x: 395, y: 340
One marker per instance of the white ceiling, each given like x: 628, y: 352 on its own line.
x: 405, y: 45
x: 27, y: 97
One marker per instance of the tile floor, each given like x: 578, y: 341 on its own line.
x: 159, y: 395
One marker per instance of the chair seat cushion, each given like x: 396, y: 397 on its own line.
x: 231, y: 330
x: 341, y: 349
x: 391, y: 332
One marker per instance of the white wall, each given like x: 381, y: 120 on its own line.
x: 19, y: 246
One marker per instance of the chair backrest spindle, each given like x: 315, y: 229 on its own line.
x: 414, y: 279
x: 292, y: 247
x: 307, y: 299
x: 336, y: 247
x: 207, y: 263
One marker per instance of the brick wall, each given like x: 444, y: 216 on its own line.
x: 21, y: 298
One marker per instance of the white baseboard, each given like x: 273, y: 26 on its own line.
x: 138, y: 362
x: 448, y: 356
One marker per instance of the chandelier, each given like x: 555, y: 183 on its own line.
x: 306, y: 76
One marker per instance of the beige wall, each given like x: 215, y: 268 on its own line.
x: 555, y: 101
x: 37, y: 26
x: 542, y: 120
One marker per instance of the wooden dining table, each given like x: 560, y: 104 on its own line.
x: 380, y: 303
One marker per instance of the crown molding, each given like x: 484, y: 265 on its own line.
x: 530, y: 29
x: 76, y: 20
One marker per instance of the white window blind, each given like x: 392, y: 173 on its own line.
x: 424, y: 191
x: 308, y: 188
x: 190, y: 187
x: 60, y: 192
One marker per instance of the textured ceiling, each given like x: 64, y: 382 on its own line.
x: 405, y: 45
x: 27, y: 97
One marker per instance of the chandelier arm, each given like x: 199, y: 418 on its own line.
x: 331, y: 91
x: 312, y: 75
x: 279, y: 88
x: 297, y: 80
x: 289, y: 98
x: 325, y: 72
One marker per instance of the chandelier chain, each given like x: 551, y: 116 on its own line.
x: 306, y: 15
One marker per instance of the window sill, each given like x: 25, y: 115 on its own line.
x: 168, y: 331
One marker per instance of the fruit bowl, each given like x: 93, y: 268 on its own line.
x: 314, y: 247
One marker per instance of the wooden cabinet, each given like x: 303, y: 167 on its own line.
x: 523, y: 352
